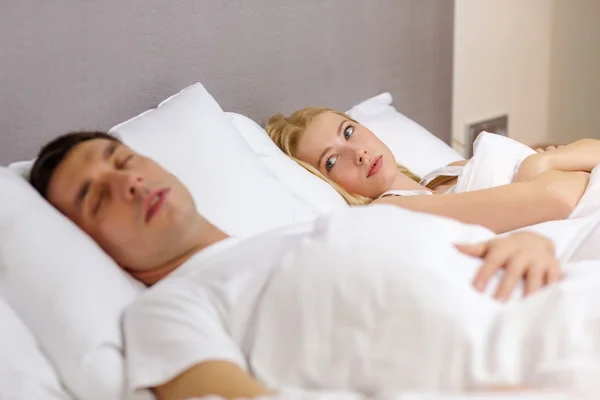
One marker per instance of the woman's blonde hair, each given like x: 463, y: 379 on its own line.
x: 286, y: 133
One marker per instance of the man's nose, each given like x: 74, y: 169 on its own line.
x: 127, y: 184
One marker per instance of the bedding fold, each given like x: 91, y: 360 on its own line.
x: 378, y: 301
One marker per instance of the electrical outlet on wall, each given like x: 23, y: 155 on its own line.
x: 497, y: 125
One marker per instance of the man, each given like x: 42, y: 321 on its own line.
x: 185, y: 336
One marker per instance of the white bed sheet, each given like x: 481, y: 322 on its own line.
x: 25, y: 373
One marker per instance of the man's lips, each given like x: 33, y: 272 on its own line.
x: 154, y: 202
x: 375, y: 166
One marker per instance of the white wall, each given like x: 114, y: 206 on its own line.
x: 574, y: 110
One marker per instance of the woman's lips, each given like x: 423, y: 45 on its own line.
x: 375, y: 166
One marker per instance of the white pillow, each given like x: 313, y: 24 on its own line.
x: 294, y: 177
x: 65, y: 288
x: 412, y: 145
x: 25, y: 373
x: 191, y: 136
x: 22, y: 167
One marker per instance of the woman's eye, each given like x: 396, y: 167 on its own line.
x: 330, y: 163
x: 348, y: 132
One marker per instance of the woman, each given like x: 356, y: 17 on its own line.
x: 363, y: 170
x: 357, y: 164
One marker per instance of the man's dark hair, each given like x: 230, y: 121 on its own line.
x: 53, y: 153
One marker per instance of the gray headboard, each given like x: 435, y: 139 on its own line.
x: 85, y: 64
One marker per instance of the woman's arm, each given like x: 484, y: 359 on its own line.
x: 582, y: 155
x: 551, y: 196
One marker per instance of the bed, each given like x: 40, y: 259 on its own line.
x: 72, y: 65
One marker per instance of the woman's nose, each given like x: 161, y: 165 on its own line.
x: 361, y: 156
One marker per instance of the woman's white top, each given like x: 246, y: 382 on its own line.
x: 452, y: 170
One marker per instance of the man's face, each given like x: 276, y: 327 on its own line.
x: 134, y: 209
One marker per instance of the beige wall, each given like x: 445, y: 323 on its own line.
x: 536, y: 60
x: 501, y: 57
x: 574, y: 107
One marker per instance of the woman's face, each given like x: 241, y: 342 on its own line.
x: 349, y: 154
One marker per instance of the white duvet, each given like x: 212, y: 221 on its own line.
x: 495, y: 162
x: 377, y: 300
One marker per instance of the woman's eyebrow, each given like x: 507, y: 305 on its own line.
x: 339, y: 130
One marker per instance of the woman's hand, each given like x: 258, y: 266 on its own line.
x: 523, y: 255
x: 549, y: 148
